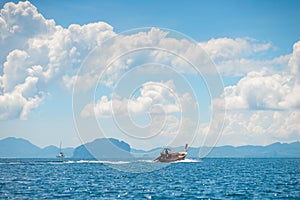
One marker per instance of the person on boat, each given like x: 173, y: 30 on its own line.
x: 167, y: 153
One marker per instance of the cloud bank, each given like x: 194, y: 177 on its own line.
x: 267, y: 89
x: 37, y: 53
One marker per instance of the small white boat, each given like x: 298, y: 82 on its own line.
x: 61, y: 154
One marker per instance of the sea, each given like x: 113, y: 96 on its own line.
x: 208, y: 178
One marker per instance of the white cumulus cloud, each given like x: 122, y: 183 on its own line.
x: 151, y: 95
x: 222, y: 48
x: 21, y: 100
x: 35, y: 48
x: 35, y: 52
x: 267, y: 88
x: 243, y: 128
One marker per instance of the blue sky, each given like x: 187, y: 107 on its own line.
x: 254, y: 45
x: 274, y: 21
x: 265, y: 20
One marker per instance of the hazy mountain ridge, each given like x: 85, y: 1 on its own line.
x: 273, y: 150
x: 103, y: 149
x: 12, y: 147
x: 114, y: 149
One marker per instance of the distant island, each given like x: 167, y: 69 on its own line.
x: 110, y: 148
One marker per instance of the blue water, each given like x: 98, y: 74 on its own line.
x: 209, y: 178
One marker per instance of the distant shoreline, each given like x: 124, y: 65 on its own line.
x: 114, y: 149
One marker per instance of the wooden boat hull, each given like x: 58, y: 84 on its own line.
x: 172, y: 157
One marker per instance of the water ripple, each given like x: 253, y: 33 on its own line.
x: 210, y: 178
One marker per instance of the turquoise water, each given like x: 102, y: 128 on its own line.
x: 209, y: 178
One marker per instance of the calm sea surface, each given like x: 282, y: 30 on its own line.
x: 192, y: 179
